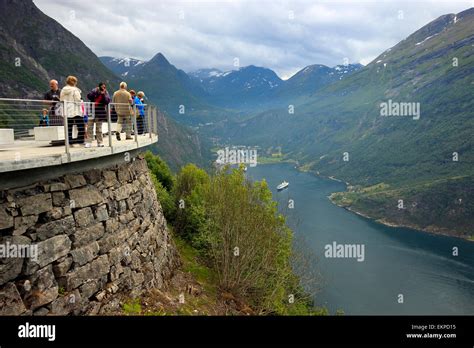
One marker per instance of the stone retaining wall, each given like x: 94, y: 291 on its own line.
x: 96, y: 233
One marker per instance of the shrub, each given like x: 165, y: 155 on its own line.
x: 165, y: 198
x: 235, y: 226
x: 248, y: 242
x: 161, y: 170
x: 189, y: 191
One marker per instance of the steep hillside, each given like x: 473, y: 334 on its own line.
x: 432, y: 68
x: 178, y: 145
x: 36, y: 50
x: 312, y: 78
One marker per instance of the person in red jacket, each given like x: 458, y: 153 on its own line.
x: 101, y: 99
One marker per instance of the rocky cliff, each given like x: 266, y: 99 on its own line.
x: 87, y: 236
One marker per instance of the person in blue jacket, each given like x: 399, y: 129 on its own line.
x: 137, y: 100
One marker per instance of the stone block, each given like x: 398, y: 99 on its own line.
x: 49, y: 251
x: 58, y: 186
x: 87, y: 235
x: 88, y: 289
x: 84, y: 217
x: 110, y: 178
x: 60, y: 268
x: 81, y: 275
x: 10, y: 301
x: 35, y: 205
x: 67, y: 303
x: 75, y: 181
x: 11, y: 266
x: 59, y: 199
x: 51, y: 133
x: 101, y: 213
x: 53, y: 228
x: 123, y: 192
x: 85, y: 254
x: 23, y: 223
x: 6, y: 220
x: 7, y: 136
x: 93, y: 176
x: 44, y: 288
x: 85, y: 197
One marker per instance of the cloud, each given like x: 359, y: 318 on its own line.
x: 285, y: 36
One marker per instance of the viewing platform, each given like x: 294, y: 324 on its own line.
x: 20, y: 148
x: 29, y: 154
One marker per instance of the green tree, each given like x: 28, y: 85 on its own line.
x: 165, y: 198
x: 248, y: 241
x: 189, y: 191
x: 161, y: 170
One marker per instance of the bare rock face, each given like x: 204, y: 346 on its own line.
x: 89, y: 236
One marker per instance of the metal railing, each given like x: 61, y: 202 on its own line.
x: 29, y: 123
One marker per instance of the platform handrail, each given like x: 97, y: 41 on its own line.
x: 21, y: 119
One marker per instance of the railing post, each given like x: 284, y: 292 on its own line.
x: 94, y: 124
x: 148, y: 126
x: 109, y: 125
x: 134, y: 117
x: 66, y: 129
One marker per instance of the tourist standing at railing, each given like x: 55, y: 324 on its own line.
x: 140, y: 113
x: 54, y: 94
x: 122, y: 101
x: 101, y: 99
x: 141, y: 95
x: 71, y: 96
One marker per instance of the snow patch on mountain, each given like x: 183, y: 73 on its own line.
x: 426, y: 39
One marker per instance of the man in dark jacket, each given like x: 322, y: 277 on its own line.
x: 53, y: 94
x: 101, y: 99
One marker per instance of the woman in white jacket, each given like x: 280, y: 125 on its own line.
x: 71, y: 96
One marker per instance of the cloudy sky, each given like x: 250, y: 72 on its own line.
x: 282, y: 35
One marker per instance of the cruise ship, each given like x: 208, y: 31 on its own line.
x: 282, y: 186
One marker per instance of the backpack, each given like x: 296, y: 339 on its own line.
x: 58, y: 109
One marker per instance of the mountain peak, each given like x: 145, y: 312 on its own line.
x: 159, y: 59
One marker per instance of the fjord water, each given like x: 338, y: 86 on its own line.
x: 418, y: 265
